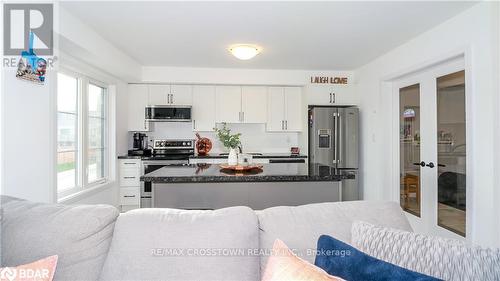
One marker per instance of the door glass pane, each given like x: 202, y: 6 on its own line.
x: 451, y: 151
x: 409, y: 136
x: 67, y: 132
x: 96, y: 128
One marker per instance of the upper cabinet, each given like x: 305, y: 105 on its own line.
x: 228, y: 104
x: 330, y: 95
x: 236, y: 104
x: 137, y: 102
x: 159, y: 94
x: 170, y: 95
x: 284, y: 109
x: 203, y: 108
x: 254, y: 104
x: 181, y: 95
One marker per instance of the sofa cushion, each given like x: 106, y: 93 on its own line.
x: 300, y: 227
x: 442, y: 258
x: 80, y: 235
x: 284, y: 265
x: 169, y: 244
x: 341, y: 259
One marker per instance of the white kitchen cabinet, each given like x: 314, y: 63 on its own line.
x: 293, y: 109
x: 130, y: 185
x: 203, y: 111
x: 158, y: 94
x: 275, y: 109
x: 181, y: 95
x: 330, y: 95
x: 228, y: 104
x: 254, y: 104
x: 137, y: 102
x: 170, y: 95
x: 284, y: 109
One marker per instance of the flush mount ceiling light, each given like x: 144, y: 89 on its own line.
x: 244, y: 51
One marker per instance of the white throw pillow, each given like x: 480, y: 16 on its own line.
x: 442, y: 258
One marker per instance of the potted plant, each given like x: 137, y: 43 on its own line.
x: 230, y: 141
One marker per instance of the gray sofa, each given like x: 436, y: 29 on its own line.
x: 95, y: 242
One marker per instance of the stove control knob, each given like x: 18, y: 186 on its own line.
x: 184, y: 143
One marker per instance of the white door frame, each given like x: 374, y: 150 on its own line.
x: 427, y: 223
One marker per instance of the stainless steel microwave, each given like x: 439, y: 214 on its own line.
x: 168, y: 113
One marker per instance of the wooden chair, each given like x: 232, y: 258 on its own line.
x: 411, y: 184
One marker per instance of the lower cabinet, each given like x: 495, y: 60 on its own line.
x: 130, y: 184
x: 256, y: 195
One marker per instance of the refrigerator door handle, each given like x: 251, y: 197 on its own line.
x: 335, y: 132
x: 340, y: 135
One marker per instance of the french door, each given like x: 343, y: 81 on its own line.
x: 431, y: 154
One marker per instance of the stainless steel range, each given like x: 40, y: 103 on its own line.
x: 165, y: 153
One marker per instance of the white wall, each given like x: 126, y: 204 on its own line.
x: 28, y: 138
x: 77, y: 39
x: 473, y: 31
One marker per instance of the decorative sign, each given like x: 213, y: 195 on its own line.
x: 328, y: 80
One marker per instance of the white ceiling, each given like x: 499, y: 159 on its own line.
x: 293, y: 35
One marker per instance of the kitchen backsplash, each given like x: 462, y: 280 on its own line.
x: 254, y: 137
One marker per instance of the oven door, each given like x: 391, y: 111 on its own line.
x: 151, y: 166
x: 168, y: 113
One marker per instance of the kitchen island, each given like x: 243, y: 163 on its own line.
x: 205, y: 186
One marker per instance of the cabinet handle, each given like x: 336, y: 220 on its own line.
x: 333, y: 98
x: 129, y: 177
x: 129, y: 196
x: 330, y: 97
x: 286, y: 124
x: 194, y: 124
x: 242, y: 116
x: 128, y: 163
x: 171, y: 98
x: 282, y: 125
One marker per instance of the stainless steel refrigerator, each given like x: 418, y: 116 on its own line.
x: 334, y: 141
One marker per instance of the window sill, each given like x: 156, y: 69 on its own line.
x: 72, y: 198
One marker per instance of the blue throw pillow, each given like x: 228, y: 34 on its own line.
x: 345, y: 261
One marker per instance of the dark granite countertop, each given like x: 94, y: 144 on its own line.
x: 219, y: 156
x: 203, y: 173
x: 263, y: 155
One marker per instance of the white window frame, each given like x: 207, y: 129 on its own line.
x: 82, y: 182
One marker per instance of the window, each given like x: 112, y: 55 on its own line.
x: 81, y: 133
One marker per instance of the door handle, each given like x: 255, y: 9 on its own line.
x: 422, y: 164
x: 430, y: 165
